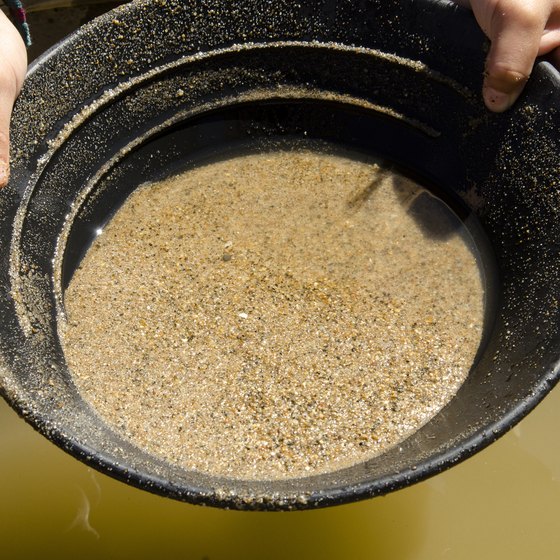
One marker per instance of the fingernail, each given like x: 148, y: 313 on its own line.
x: 4, y: 173
x: 497, y: 101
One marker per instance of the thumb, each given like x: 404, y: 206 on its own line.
x: 6, y: 104
x: 13, y: 62
x: 515, y: 33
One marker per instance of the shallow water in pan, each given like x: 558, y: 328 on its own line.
x: 275, y: 314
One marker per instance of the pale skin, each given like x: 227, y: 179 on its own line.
x: 13, y: 66
x: 519, y: 31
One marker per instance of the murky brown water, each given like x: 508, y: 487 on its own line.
x: 500, y: 504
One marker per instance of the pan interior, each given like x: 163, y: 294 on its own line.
x: 271, y: 128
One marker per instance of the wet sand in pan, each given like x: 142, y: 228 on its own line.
x: 274, y: 315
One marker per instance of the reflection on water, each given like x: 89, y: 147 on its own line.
x: 501, y: 504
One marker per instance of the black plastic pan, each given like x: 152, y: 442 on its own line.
x: 169, y: 78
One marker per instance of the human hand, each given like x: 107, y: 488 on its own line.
x: 13, y: 66
x: 519, y: 31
